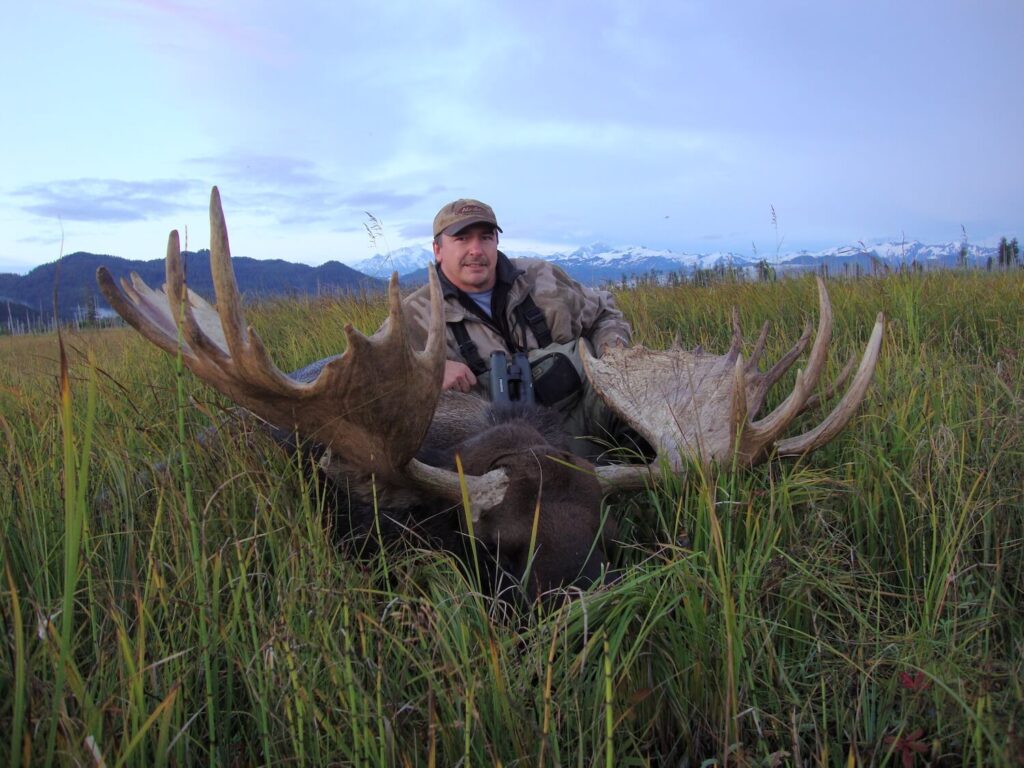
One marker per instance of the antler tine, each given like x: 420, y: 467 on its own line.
x: 437, y: 342
x: 737, y: 332
x: 245, y: 349
x: 156, y: 315
x: 142, y: 308
x: 738, y: 412
x: 180, y: 304
x: 625, y: 477
x: 755, y: 355
x: 816, y: 399
x: 844, y: 410
x: 767, y: 380
x: 229, y: 303
x: 819, y: 351
x: 767, y: 430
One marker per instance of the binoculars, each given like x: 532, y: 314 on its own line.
x: 511, y: 381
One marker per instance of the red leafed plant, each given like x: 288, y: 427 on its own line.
x: 915, y: 682
x: 908, y: 745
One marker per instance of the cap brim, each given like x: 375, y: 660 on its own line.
x: 454, y: 229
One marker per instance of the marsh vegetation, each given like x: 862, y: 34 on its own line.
x: 861, y: 606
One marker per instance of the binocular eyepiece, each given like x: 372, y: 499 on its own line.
x: 511, y: 381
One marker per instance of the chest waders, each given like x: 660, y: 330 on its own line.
x: 557, y: 372
x: 556, y: 369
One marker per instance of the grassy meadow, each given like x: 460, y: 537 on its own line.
x: 165, y: 603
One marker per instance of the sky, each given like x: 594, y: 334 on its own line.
x: 337, y: 129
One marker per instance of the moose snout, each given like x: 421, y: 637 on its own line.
x: 548, y: 532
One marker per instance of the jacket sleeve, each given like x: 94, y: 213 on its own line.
x: 416, y: 311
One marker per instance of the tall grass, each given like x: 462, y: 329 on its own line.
x: 856, y: 607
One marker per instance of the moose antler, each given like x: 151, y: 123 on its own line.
x: 696, y: 406
x: 372, y: 405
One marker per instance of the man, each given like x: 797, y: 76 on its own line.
x: 496, y: 304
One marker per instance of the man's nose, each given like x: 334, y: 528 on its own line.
x: 475, y: 245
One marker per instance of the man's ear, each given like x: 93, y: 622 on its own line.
x: 437, y: 251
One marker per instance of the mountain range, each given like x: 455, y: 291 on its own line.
x: 600, y: 263
x: 26, y: 299
x: 29, y: 299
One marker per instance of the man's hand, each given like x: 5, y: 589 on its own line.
x: 457, y: 376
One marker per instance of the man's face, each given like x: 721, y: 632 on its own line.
x: 469, y: 259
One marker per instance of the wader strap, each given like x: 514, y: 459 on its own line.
x: 467, y: 348
x: 530, y: 313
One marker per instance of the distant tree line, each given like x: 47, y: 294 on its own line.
x: 763, y: 271
x: 1009, y: 253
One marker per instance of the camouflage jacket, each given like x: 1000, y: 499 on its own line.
x: 572, y: 311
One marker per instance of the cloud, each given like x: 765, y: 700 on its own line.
x: 275, y: 171
x: 290, y: 190
x: 417, y: 231
x: 386, y: 200
x: 39, y: 240
x: 107, y: 200
x: 199, y: 27
x: 294, y: 191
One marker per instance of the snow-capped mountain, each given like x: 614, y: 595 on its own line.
x: 403, y: 261
x: 598, y: 262
x: 641, y: 257
x: 892, y: 255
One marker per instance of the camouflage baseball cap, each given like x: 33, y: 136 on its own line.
x: 455, y: 217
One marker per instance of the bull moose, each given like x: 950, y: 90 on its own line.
x: 440, y: 463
